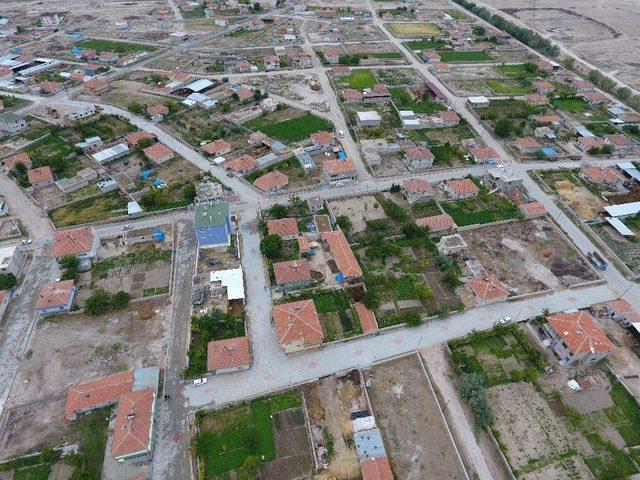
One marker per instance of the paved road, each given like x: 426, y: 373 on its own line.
x: 171, y: 458
x: 23, y: 207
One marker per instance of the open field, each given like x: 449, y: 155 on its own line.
x: 93, y: 209
x: 574, y: 193
x: 528, y: 256
x: 114, y: 46
x: 449, y: 56
x: 485, y: 208
x: 414, y: 29
x: 415, y: 435
x: 290, y: 130
x: 359, y: 79
x: 509, y: 87
x: 414, y: 100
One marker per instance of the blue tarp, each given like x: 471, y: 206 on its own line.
x: 147, y: 173
x: 159, y: 235
x: 340, y: 277
x: 158, y: 182
x: 549, y: 151
x: 341, y: 154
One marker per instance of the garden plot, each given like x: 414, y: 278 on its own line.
x: 89, y: 210
x: 199, y: 125
x: 268, y: 430
x: 330, y: 402
x: 70, y: 348
x: 628, y: 251
x: 484, y: 208
x: 271, y: 35
x: 412, y: 30
x: 289, y: 124
x: 529, y: 256
x: 415, y: 434
x: 395, y: 77
x: 359, y: 211
x: 336, y: 31
x: 374, y: 54
x: 125, y: 92
x: 141, y: 269
x: 531, y: 433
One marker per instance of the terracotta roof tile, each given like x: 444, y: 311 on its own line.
x: 297, y: 321
x: 134, y: 421
x: 243, y: 163
x: 533, y: 209
x: 488, y: 288
x: 291, y: 271
x: 229, y: 353
x: 72, y: 241
x: 339, y: 166
x: 134, y: 138
x: 95, y: 393
x: 484, y: 153
x: 323, y: 138
x: 418, y: 185
x: 158, y: 152
x: 436, y: 222
x: 283, y: 227
x: 274, y: 179
x: 463, y: 186
x: 217, y: 147
x: 367, y: 318
x: 23, y: 158
x: 41, y: 174
x: 418, y: 153
x: 602, y: 174
x: 579, y: 332
x: 55, y: 294
x: 376, y: 468
x: 342, y: 253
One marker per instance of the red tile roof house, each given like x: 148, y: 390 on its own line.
x: 133, y: 139
x: 95, y: 86
x: 376, y: 468
x: 242, y: 164
x: 603, y: 176
x: 336, y: 171
x: 595, y: 98
x: 323, y: 140
x: 157, y: 111
x: 12, y: 161
x: 158, y: 153
x: 416, y: 189
x: 367, y: 318
x: 88, y: 396
x: 230, y: 355
x: 79, y: 242
x: 40, y: 177
x: 461, y: 188
x: 285, y: 228
x: 449, y: 118
x: 271, y: 182
x: 623, y: 312
x: 133, y: 431
x: 437, y: 223
x: 217, y: 147
x: 487, y: 289
x: 430, y: 56
x: 576, y: 339
x: 621, y: 143
x: 351, y: 95
x: 547, y: 119
x: 49, y: 88
x: 378, y: 94
x: 543, y: 86
x: 418, y: 158
x: 536, y: 99
x: 586, y: 143
x: 271, y: 62
x: 56, y: 297
x: 582, y: 86
x: 343, y: 256
x: 297, y: 325
x: 532, y: 209
x: 332, y: 55
x: 292, y: 274
x: 528, y: 145
x: 484, y: 155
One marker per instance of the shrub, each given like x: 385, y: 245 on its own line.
x: 271, y: 246
x: 472, y: 391
x: 7, y: 281
x: 98, y: 303
x: 120, y: 300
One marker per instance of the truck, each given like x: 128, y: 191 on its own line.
x: 595, y: 258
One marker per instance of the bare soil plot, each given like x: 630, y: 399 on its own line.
x: 303, y: 88
x: 68, y: 349
x: 416, y: 438
x: 411, y: 30
x: 397, y: 77
x: 532, y: 433
x: 358, y: 210
x: 330, y: 402
x: 580, y: 199
x: 529, y: 256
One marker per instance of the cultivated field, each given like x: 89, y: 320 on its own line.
x: 414, y: 29
x: 416, y: 438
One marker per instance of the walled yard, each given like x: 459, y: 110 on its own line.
x: 329, y: 403
x: 415, y: 434
x: 574, y: 192
x: 70, y: 348
x: 359, y: 211
x: 543, y: 427
x: 626, y: 249
x: 529, y: 256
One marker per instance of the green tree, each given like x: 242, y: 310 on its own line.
x: 472, y: 391
x: 370, y: 300
x: 120, y: 300
x: 479, y: 31
x: 271, y: 246
x: 344, y: 223
x: 411, y: 230
x: 99, y: 302
x: 278, y: 211
x: 503, y: 127
x: 412, y: 319
x: 7, y: 281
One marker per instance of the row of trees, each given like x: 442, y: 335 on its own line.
x: 524, y: 35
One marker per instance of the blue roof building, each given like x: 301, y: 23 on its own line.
x: 369, y: 444
x: 212, y: 224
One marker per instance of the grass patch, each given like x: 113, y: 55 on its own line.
x: 509, y: 87
x: 92, y: 432
x: 147, y: 255
x: 625, y: 415
x: 425, y: 209
x: 113, y: 46
x: 387, y: 55
x: 150, y: 292
x: 450, y: 56
x: 415, y: 29
x: 404, y: 101
x: 434, y: 44
x: 39, y: 472
x: 89, y: 210
x: 360, y: 79
x: 484, y: 208
x: 227, y: 438
x: 291, y: 130
x: 571, y: 105
x: 290, y: 167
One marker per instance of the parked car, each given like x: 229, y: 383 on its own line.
x: 126, y: 227
x: 199, y: 381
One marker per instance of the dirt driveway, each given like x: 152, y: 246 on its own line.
x: 581, y: 200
